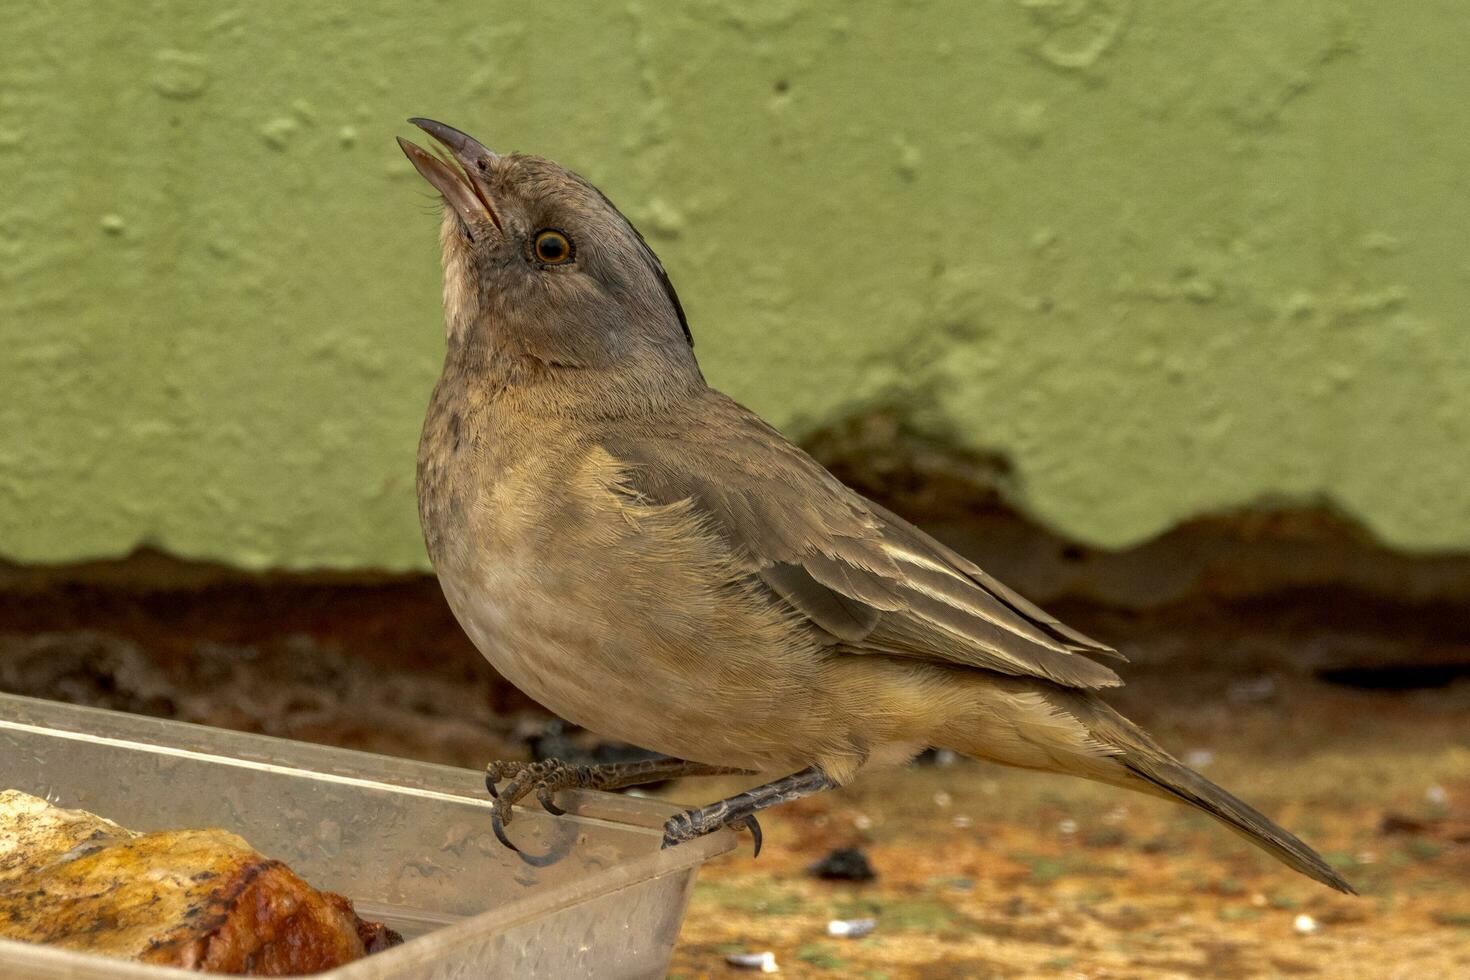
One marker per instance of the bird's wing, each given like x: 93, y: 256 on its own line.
x: 870, y: 580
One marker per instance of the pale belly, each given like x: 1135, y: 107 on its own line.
x: 634, y: 622
x: 679, y: 703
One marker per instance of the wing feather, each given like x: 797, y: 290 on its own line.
x: 869, y: 580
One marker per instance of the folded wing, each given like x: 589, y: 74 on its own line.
x: 869, y: 580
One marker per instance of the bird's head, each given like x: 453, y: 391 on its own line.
x: 539, y: 262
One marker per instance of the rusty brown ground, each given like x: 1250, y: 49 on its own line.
x: 983, y: 872
x: 991, y: 873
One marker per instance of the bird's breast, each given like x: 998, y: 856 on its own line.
x: 629, y: 620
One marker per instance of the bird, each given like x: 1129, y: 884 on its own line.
x: 649, y: 559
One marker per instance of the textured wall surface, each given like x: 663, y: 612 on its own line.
x: 1168, y: 258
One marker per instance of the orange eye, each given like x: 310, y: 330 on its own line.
x: 552, y: 247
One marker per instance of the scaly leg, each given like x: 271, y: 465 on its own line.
x: 546, y: 777
x: 741, y: 808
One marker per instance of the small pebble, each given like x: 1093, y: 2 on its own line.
x: 1436, y: 795
x: 942, y: 799
x: 844, y: 864
x: 862, y: 822
x: 851, y: 928
x: 764, y: 962
x: 1304, y: 924
x: 961, y: 821
x: 1068, y: 827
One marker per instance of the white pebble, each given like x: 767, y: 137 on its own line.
x: 1068, y: 826
x: 851, y: 928
x: 961, y: 821
x: 1304, y: 924
x: 862, y: 822
x: 942, y: 799
x: 1436, y: 795
x: 764, y: 962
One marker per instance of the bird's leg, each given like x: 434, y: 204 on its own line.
x: 740, y: 809
x: 546, y: 777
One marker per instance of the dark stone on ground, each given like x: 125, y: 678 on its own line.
x: 844, y: 864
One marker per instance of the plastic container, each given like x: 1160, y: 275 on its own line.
x: 409, y: 843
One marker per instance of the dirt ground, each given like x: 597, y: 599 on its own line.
x: 984, y: 872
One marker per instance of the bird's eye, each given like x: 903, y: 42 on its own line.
x: 552, y: 247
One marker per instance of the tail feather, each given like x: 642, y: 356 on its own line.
x: 1188, y: 786
x: 1033, y: 725
x: 1142, y: 757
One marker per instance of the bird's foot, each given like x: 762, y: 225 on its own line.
x: 546, y: 777
x: 740, y: 809
x: 524, y: 778
x: 691, y: 824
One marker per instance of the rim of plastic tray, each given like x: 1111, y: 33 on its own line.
x: 618, y: 810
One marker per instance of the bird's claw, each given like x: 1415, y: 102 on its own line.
x: 541, y: 778
x: 679, y: 828
x: 496, y: 771
x: 546, y: 777
x: 543, y: 796
x: 498, y: 822
x: 755, y: 832
x: 692, y: 824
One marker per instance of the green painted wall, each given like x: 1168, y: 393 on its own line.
x: 1167, y: 257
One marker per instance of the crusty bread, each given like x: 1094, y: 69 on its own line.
x: 198, y: 899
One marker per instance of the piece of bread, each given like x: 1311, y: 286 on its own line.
x: 198, y: 899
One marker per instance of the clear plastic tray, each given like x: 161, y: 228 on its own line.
x: 408, y: 842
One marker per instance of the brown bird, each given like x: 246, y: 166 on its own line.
x: 650, y: 560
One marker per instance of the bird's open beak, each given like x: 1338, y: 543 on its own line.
x: 463, y: 188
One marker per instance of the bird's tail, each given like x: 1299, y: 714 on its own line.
x: 1152, y: 769
x: 1040, y: 726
